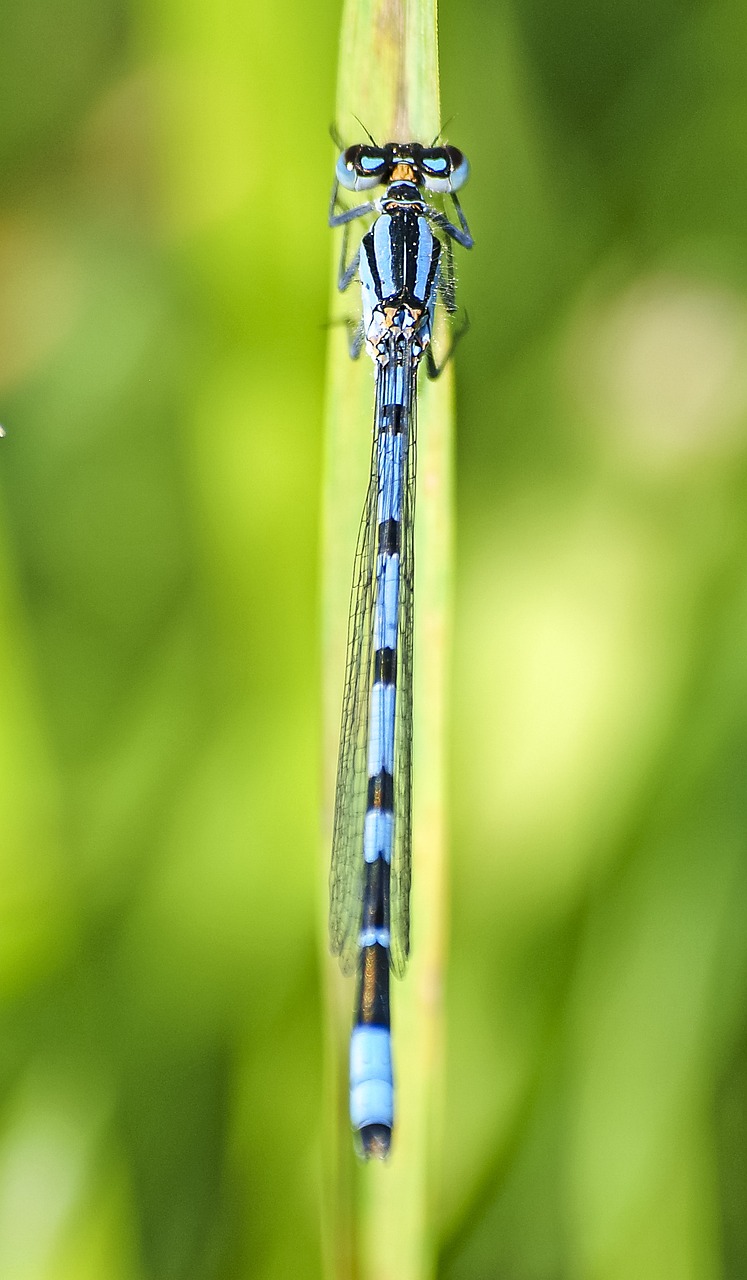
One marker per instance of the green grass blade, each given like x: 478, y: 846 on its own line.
x: 380, y: 1219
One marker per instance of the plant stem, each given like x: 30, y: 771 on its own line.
x: 379, y: 1220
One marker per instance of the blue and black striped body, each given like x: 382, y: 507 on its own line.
x: 398, y: 269
x: 402, y: 272
x: 371, y: 1080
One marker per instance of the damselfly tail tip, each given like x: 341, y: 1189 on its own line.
x: 375, y: 1141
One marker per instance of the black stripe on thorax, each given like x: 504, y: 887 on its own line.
x: 396, y: 248
x: 404, y: 241
x: 370, y: 251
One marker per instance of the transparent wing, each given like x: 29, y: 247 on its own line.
x: 401, y: 870
x: 346, y: 876
x: 346, y: 873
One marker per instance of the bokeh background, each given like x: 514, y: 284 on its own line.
x: 164, y: 271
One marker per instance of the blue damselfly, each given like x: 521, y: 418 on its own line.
x: 405, y: 266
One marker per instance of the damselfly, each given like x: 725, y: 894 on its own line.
x: 405, y: 265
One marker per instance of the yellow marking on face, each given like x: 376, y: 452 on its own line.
x: 403, y: 172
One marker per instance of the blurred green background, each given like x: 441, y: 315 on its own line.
x: 164, y: 268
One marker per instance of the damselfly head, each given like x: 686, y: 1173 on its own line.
x: 438, y: 169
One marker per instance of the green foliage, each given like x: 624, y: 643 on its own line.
x: 164, y: 264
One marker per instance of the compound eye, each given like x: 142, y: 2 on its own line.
x: 345, y: 169
x: 459, y: 167
x: 360, y: 168
x: 435, y: 162
x: 435, y: 165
